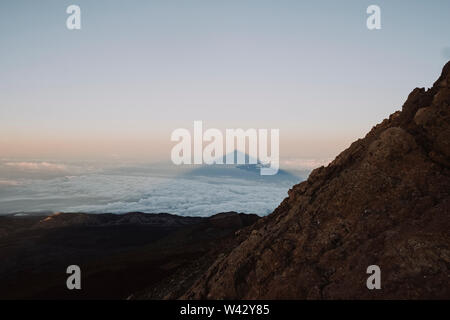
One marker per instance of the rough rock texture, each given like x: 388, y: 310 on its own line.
x: 383, y: 201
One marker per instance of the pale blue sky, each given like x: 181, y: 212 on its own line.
x: 139, y: 69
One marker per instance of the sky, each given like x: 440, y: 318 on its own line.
x: 137, y: 70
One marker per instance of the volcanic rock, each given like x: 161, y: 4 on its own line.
x: 384, y: 201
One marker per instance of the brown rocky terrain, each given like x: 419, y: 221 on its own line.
x: 384, y: 201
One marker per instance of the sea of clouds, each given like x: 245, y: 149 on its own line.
x: 42, y: 186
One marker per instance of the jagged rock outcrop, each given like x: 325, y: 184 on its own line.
x: 384, y: 201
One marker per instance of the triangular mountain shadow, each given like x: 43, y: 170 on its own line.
x: 245, y: 171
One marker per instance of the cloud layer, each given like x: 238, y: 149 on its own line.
x: 119, y: 193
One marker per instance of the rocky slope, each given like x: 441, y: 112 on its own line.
x: 383, y: 201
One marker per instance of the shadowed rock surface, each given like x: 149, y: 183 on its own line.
x: 383, y: 201
x: 118, y: 254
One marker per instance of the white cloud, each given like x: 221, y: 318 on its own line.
x: 123, y: 193
x: 35, y: 166
x: 6, y: 182
x: 193, y: 197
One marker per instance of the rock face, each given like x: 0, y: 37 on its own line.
x: 384, y: 201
